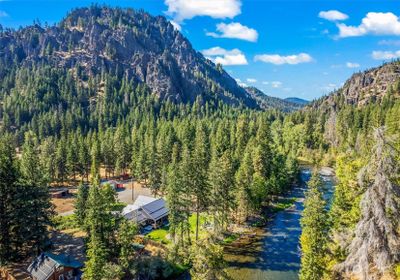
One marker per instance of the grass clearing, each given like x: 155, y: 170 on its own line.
x: 230, y: 238
x: 65, y: 222
x: 160, y: 235
x: 283, y: 204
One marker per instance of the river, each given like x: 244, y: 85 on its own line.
x: 275, y: 255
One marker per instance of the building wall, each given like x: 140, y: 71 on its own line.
x: 63, y: 271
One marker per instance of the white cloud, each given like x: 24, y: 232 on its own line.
x: 333, y: 15
x: 385, y: 55
x: 3, y: 14
x: 389, y: 43
x: 219, y: 51
x: 279, y: 59
x: 225, y: 57
x: 373, y: 23
x: 276, y: 84
x: 240, y: 83
x: 187, y: 9
x: 352, y: 65
x: 235, y: 30
x: 251, y: 80
x: 176, y: 25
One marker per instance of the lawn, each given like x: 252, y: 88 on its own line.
x: 160, y: 235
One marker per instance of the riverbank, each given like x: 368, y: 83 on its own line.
x: 274, y: 252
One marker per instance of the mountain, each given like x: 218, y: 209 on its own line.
x: 297, y: 100
x: 363, y: 88
x: 126, y: 42
x: 268, y: 102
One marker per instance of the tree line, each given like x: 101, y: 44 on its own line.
x: 362, y: 143
x: 205, y: 157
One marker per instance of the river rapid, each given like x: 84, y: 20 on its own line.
x: 275, y: 254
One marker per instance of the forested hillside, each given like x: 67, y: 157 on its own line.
x: 355, y: 129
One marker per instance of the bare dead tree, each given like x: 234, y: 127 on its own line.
x: 376, y: 243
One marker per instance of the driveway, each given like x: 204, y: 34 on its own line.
x: 124, y: 195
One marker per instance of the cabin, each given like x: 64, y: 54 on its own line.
x: 147, y: 210
x: 59, y: 192
x: 49, y: 266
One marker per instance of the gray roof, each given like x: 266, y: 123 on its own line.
x: 136, y: 215
x: 156, y: 209
x: 145, y: 209
x: 43, y: 267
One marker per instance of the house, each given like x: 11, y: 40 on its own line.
x: 146, y: 210
x: 49, y: 266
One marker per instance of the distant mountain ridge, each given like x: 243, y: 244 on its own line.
x: 268, y: 102
x: 297, y: 100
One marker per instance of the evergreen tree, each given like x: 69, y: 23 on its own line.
x: 96, y: 258
x: 208, y: 261
x: 81, y: 204
x: 61, y: 162
x: 126, y: 234
x: 221, y: 178
x: 37, y: 206
x: 244, y: 182
x: 314, y: 231
x: 84, y: 160
x: 200, y: 185
x: 175, y: 193
x: 8, y: 201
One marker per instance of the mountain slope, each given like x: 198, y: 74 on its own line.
x: 357, y: 128
x: 363, y: 88
x: 129, y: 43
x: 269, y: 102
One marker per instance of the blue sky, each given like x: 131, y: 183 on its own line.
x: 284, y: 47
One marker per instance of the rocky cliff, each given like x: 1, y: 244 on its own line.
x: 126, y: 42
x: 366, y: 87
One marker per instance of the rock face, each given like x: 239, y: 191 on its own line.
x: 125, y: 42
x: 372, y: 85
x: 365, y: 87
